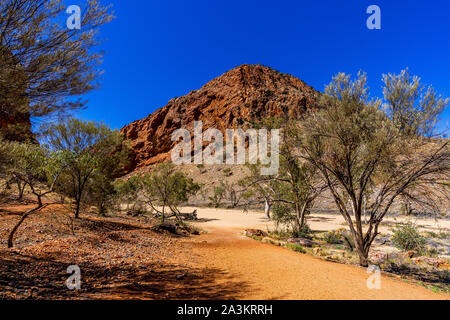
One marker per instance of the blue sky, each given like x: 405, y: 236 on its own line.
x: 157, y: 50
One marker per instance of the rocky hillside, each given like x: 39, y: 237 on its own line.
x: 241, y: 96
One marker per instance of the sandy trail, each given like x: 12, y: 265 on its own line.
x: 270, y: 272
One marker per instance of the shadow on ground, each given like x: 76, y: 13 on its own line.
x: 25, y: 277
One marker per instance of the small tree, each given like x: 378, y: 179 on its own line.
x: 39, y: 169
x: 293, y: 189
x: 90, y: 152
x: 298, y: 183
x: 167, y: 188
x: 233, y: 193
x: 407, y: 238
x: 355, y: 145
x: 128, y: 190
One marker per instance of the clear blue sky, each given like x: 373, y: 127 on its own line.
x: 157, y: 50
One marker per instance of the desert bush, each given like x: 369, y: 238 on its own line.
x: 281, y: 215
x: 333, y: 237
x: 128, y: 191
x: 408, y: 238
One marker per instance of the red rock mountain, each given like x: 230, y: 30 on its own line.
x: 245, y: 94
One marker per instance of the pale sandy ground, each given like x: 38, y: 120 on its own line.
x: 270, y: 272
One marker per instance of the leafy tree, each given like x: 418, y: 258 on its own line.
x: 91, y: 153
x: 218, y: 195
x: 44, y: 65
x: 298, y: 185
x: 101, y: 191
x: 293, y: 189
x: 128, y: 190
x: 414, y: 108
x: 39, y: 169
x: 167, y: 188
x: 355, y: 146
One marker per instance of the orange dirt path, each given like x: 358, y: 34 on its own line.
x: 269, y: 272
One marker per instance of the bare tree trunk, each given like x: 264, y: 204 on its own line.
x: 163, y: 210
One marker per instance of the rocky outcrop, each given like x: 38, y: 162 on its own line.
x: 241, y: 96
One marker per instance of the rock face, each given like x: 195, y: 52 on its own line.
x: 239, y: 97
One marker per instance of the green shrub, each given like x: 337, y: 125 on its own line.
x: 295, y: 247
x: 200, y: 166
x: 219, y: 194
x: 333, y: 237
x: 304, y: 232
x: 408, y: 238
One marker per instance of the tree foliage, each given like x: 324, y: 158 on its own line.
x: 37, y: 167
x: 165, y: 188
x: 93, y: 155
x: 45, y: 66
x: 355, y: 146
